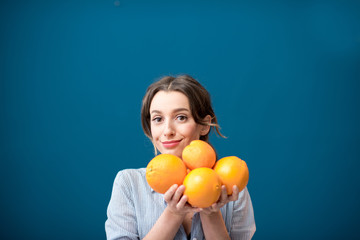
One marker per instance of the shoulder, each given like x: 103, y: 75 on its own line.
x: 131, y: 176
x: 131, y: 184
x: 131, y: 173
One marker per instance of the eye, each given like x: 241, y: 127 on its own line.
x: 156, y: 119
x: 181, y: 118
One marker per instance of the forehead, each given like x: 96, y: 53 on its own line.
x: 169, y: 100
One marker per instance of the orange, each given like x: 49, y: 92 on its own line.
x: 163, y: 171
x: 232, y: 171
x: 202, y: 187
x: 198, y: 154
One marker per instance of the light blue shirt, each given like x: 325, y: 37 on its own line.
x: 134, y: 208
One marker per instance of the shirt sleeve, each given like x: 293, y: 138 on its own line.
x: 121, y: 220
x: 243, y: 222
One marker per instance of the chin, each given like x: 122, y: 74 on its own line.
x: 173, y: 152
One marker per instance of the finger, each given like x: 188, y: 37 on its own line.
x: 182, y: 202
x: 235, y: 194
x: 206, y: 210
x: 211, y: 209
x: 178, y: 193
x: 185, y: 206
x: 169, y: 193
x: 223, y: 196
x: 215, y: 207
x: 198, y: 209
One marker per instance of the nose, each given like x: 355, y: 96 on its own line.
x: 169, y: 129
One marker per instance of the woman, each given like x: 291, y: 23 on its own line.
x: 175, y: 111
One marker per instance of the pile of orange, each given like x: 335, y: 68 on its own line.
x: 199, y: 172
x: 165, y: 170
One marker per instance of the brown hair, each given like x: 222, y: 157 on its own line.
x: 199, y: 101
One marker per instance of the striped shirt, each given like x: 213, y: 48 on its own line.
x: 134, y: 208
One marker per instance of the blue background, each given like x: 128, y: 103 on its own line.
x: 284, y: 78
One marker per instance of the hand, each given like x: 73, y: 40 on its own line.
x: 177, y: 202
x: 224, y: 199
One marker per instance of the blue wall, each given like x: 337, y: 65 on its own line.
x: 284, y: 78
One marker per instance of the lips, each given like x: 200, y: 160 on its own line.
x: 171, y: 144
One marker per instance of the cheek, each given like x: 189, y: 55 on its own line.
x: 154, y: 132
x: 191, y: 131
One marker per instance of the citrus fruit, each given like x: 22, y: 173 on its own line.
x: 232, y: 171
x: 165, y: 170
x: 202, y: 187
x: 198, y: 154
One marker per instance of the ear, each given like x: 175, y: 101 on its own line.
x: 206, y: 128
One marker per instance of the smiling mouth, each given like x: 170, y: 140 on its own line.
x: 171, y: 144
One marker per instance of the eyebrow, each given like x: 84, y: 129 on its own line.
x: 175, y: 110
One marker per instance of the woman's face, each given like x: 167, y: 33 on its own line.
x: 172, y: 124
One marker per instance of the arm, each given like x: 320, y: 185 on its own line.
x: 243, y: 221
x: 121, y: 221
x: 214, y: 226
x: 173, y: 216
x: 166, y: 226
x: 212, y: 221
